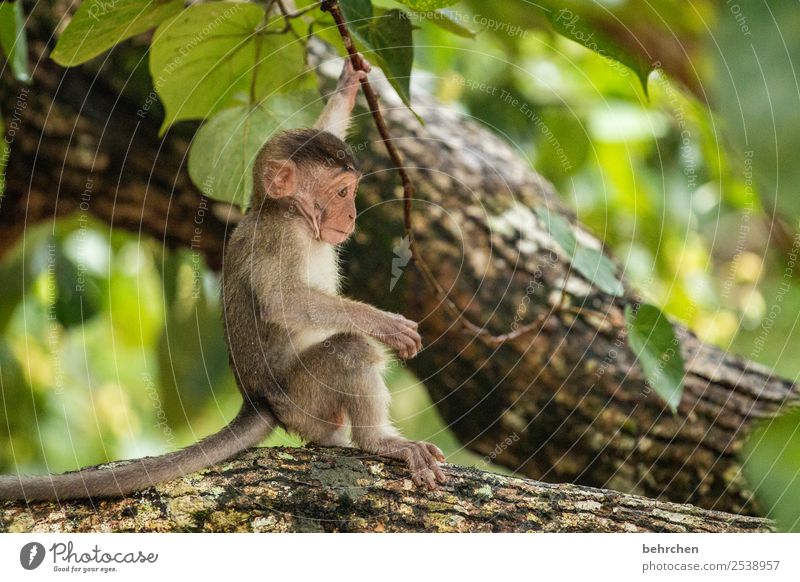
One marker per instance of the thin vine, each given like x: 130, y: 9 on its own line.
x: 409, y: 190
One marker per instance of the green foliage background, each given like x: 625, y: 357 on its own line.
x: 687, y: 174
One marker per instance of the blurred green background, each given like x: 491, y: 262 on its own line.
x: 692, y: 186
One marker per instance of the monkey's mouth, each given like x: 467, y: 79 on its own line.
x: 334, y: 235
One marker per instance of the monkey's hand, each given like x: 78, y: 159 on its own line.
x: 398, y: 333
x: 350, y: 79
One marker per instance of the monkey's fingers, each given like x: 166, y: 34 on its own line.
x: 363, y: 63
x: 424, y: 477
x: 436, y: 452
x: 419, y: 342
x: 439, y: 474
x: 411, y: 346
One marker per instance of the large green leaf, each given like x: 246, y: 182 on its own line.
x: 98, y: 25
x: 388, y: 41
x: 652, y: 339
x: 582, y: 26
x: 218, y: 55
x: 771, y: 463
x: 425, y: 5
x: 639, y: 34
x: 13, y: 40
x: 222, y: 154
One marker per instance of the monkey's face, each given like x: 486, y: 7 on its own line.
x: 325, y: 196
x: 335, y: 205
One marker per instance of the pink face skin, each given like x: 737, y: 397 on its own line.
x: 325, y: 198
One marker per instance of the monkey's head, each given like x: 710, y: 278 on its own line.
x: 313, y: 172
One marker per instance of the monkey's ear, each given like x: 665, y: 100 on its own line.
x: 280, y: 178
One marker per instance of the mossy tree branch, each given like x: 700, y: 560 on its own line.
x: 316, y: 489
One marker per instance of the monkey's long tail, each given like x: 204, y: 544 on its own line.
x: 253, y: 424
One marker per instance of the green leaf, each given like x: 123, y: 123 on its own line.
x: 597, y: 268
x: 388, y: 41
x: 426, y: 5
x: 580, y: 28
x: 559, y: 229
x: 98, y: 25
x: 652, y: 339
x: 218, y: 55
x: 592, y: 264
x: 222, y: 154
x: 770, y: 459
x: 13, y: 40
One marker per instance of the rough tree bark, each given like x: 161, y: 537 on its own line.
x: 566, y: 404
x: 316, y: 490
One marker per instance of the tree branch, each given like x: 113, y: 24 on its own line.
x: 314, y: 490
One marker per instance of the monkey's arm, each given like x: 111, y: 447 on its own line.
x: 335, y: 118
x: 302, y: 307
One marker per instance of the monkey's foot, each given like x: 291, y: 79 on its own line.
x: 421, y: 457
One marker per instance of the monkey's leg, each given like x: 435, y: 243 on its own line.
x: 339, y: 436
x: 343, y: 375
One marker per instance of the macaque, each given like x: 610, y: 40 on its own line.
x: 304, y: 357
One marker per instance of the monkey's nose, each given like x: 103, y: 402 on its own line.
x: 351, y: 217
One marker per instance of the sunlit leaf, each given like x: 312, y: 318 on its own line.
x: 652, y: 339
x: 217, y: 55
x: 583, y: 29
x: 388, y: 40
x: 13, y: 40
x: 635, y: 35
x: 98, y: 25
x: 771, y: 463
x: 222, y: 154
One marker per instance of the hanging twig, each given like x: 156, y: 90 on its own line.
x: 332, y: 6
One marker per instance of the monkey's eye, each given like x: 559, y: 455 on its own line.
x: 342, y: 193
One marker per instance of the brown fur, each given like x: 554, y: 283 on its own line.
x: 269, y: 304
x: 299, y: 352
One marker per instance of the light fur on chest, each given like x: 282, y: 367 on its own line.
x: 321, y: 271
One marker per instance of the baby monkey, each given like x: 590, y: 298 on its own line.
x: 303, y: 356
